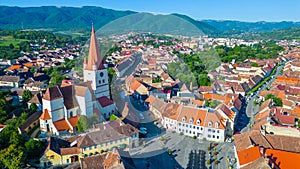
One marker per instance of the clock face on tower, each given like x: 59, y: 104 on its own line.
x: 101, y: 74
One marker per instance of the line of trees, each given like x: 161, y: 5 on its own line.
x: 263, y: 50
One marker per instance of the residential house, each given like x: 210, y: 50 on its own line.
x: 10, y: 81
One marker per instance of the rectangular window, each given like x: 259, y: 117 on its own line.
x: 90, y: 147
x: 194, y: 127
x: 197, y: 128
x: 201, y: 128
x: 84, y: 148
x: 209, y: 136
x: 67, y: 160
x: 217, y: 137
x: 95, y: 147
x: 213, y: 136
x: 218, y: 131
x: 179, y: 124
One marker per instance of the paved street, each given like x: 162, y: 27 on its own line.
x: 251, y: 108
x: 153, y: 151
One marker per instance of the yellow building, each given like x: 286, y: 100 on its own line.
x: 105, y: 138
x: 100, y: 141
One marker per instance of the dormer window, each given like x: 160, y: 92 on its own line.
x: 191, y: 120
x: 209, y: 124
x: 198, y: 122
x: 183, y: 119
x: 216, y: 125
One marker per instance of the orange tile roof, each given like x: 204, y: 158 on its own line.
x: 45, y: 115
x: 248, y: 155
x: 262, y: 114
x: 289, y: 80
x: 73, y: 120
x: 150, y: 99
x: 135, y: 85
x: 288, y: 66
x: 281, y: 95
x: 283, y: 159
x: 28, y: 64
x: 287, y: 102
x: 296, y: 111
x: 212, y: 117
x: 192, y: 113
x: 62, y: 125
x: 13, y: 67
x: 69, y: 151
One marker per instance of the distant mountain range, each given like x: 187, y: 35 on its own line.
x: 81, y: 18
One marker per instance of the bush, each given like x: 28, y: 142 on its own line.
x: 194, y: 137
x: 113, y: 117
x: 208, y: 162
x: 181, y: 133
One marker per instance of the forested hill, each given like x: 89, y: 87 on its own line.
x: 57, y: 18
x: 79, y: 19
x: 237, y: 27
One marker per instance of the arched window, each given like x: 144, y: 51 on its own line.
x: 198, y: 122
x: 191, y: 120
x: 183, y: 119
x: 216, y: 125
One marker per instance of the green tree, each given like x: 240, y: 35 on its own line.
x: 203, y: 80
x: 113, y: 117
x: 33, y: 148
x: 33, y: 107
x: 82, y: 123
x: 56, y: 79
x: 27, y: 95
x: 13, y: 157
x: 254, y: 64
x: 276, y: 100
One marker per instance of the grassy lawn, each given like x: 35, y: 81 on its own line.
x: 7, y: 40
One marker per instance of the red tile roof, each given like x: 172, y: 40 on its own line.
x: 248, y: 155
x: 62, y: 125
x: 73, y: 120
x: 105, y: 101
x: 70, y: 151
x: 45, y: 115
x: 283, y: 159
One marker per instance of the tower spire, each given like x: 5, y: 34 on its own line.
x: 94, y: 61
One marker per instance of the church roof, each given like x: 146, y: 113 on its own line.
x: 94, y: 58
x: 45, y: 115
x: 104, y: 101
x: 52, y: 93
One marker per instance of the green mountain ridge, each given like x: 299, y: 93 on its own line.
x: 80, y: 19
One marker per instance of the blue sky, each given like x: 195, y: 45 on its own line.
x: 243, y: 10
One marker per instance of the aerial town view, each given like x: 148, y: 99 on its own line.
x: 109, y: 84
